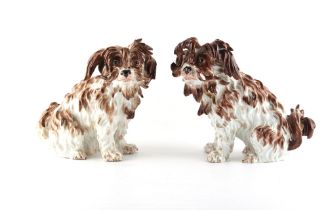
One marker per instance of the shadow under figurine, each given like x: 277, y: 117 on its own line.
x: 238, y: 105
x: 95, y: 114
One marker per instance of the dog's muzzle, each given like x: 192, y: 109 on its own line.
x: 187, y: 69
x: 126, y: 72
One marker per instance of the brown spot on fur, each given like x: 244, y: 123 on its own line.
x: 187, y: 90
x: 280, y: 106
x: 84, y: 99
x: 136, y: 102
x: 197, y: 93
x: 45, y: 117
x: 79, y: 86
x: 66, y: 120
x: 225, y: 106
x: 223, y: 82
x: 80, y: 105
x: 129, y: 113
x: 69, y: 96
x: 210, y: 86
x: 249, y: 101
x: 104, y: 102
x: 128, y: 93
x: 210, y: 90
x: 269, y: 136
x: 204, y: 108
x: 258, y: 93
x: 140, y: 93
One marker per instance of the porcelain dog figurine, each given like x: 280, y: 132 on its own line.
x: 238, y: 105
x: 95, y: 114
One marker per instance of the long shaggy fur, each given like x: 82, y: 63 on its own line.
x: 95, y: 114
x: 238, y: 105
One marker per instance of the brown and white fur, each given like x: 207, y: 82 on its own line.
x: 95, y: 114
x: 238, y: 105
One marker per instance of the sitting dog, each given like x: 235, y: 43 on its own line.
x: 95, y: 114
x: 238, y: 105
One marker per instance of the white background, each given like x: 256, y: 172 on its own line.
x: 44, y: 48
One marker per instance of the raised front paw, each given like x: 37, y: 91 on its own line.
x: 215, y: 156
x: 209, y: 147
x: 112, y: 156
x: 129, y: 149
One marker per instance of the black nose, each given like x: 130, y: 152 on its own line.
x: 187, y: 69
x: 126, y: 72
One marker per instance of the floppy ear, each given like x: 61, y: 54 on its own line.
x: 308, y: 127
x: 141, y: 47
x: 97, y: 59
x: 150, y: 62
x: 223, y: 53
x: 150, y: 67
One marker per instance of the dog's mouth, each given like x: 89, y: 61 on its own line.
x: 191, y: 76
x: 188, y: 77
x: 125, y: 79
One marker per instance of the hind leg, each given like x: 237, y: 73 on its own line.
x: 265, y: 145
x: 69, y: 145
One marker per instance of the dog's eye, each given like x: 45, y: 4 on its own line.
x: 200, y: 61
x: 135, y: 63
x: 116, y: 61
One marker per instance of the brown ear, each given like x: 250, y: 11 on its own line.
x: 190, y: 44
x: 150, y: 62
x: 308, y: 127
x: 224, y: 55
x: 97, y: 59
x: 150, y: 67
x: 141, y: 47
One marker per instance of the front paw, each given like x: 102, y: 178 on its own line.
x: 247, y: 150
x: 209, y: 147
x: 215, y: 156
x: 79, y: 155
x: 112, y: 156
x: 249, y: 158
x: 129, y: 149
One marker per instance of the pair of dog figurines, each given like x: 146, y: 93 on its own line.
x: 94, y: 116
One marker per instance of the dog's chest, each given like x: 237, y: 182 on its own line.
x: 119, y: 102
x: 124, y: 108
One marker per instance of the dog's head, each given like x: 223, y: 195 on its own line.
x: 125, y: 64
x: 197, y: 63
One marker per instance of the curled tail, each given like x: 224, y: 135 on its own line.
x: 45, y: 117
x: 299, y: 126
